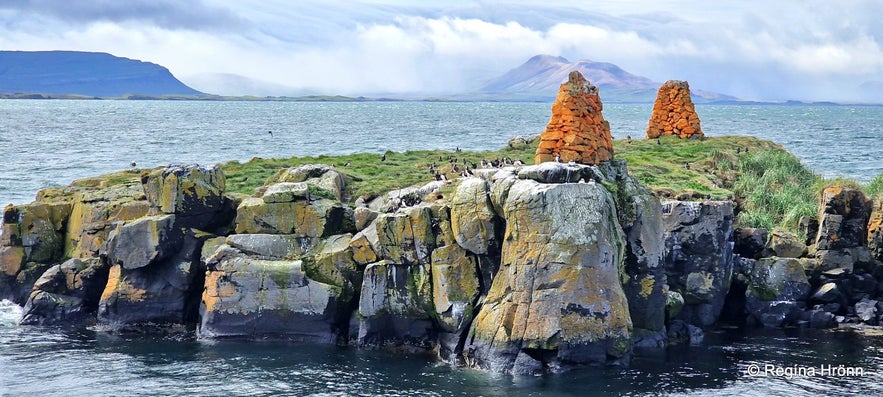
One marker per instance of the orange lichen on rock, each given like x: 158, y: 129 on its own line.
x: 577, y: 130
x: 673, y: 112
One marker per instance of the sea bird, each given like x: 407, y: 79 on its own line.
x: 133, y: 164
x: 383, y: 158
x: 270, y: 132
x: 557, y: 158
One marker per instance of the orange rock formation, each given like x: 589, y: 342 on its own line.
x: 577, y: 130
x: 673, y: 112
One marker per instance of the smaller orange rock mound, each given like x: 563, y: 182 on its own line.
x: 577, y: 130
x: 673, y: 112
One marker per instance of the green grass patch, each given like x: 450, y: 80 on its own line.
x: 874, y: 189
x: 775, y: 189
x: 770, y: 185
x: 366, y: 174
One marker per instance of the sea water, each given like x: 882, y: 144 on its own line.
x: 47, y: 143
x: 51, y: 142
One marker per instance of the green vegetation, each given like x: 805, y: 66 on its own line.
x: 771, y: 187
x: 874, y: 189
x: 367, y: 175
x: 775, y: 189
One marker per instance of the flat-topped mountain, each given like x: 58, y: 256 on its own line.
x: 542, y: 74
x: 84, y: 73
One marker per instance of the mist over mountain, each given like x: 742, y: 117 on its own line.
x: 540, y: 77
x: 85, y: 73
x: 231, y: 84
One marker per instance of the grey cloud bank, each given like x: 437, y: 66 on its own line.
x: 810, y: 50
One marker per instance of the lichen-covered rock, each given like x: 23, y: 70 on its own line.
x: 245, y: 297
x: 774, y: 280
x: 320, y: 176
x: 673, y: 112
x: 699, y: 256
x: 474, y: 222
x: 163, y: 294
x: 639, y: 214
x: 455, y: 287
x: 844, y: 214
x: 552, y: 172
x: 66, y: 294
x: 332, y: 263
x: 363, y: 217
x: 875, y: 233
x: 557, y: 299
x: 194, y: 193
x: 38, y: 228
x: 406, y: 237
x: 502, y: 181
x: 577, y: 130
x: 406, y: 197
x: 786, y: 245
x: 64, y: 222
x: 396, y: 306
x: 145, y: 241
x: 94, y: 212
x: 285, y: 192
x: 364, y: 245
x: 303, y: 217
x: 271, y: 246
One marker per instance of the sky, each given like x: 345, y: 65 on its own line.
x: 753, y: 49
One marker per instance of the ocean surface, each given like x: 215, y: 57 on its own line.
x: 46, y: 143
x: 52, y: 142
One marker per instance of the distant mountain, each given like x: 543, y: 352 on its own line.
x: 238, y: 85
x: 540, y: 77
x: 85, y: 73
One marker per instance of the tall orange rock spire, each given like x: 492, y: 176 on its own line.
x: 577, y: 130
x: 673, y: 112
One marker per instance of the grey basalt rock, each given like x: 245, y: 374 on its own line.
x: 250, y: 298
x: 639, y: 214
x: 474, y: 222
x: 194, y: 193
x: 162, y: 295
x: 66, y: 294
x: 145, y: 241
x: 556, y: 300
x: 396, y: 306
x: 777, y: 291
x: 320, y: 176
x: 699, y: 256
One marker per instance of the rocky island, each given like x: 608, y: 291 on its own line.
x: 524, y: 269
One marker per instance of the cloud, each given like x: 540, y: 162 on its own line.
x: 753, y: 49
x: 167, y: 14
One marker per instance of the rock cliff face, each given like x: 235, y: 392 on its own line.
x: 521, y: 270
x: 674, y: 113
x: 699, y: 256
x: 558, y: 296
x: 577, y: 130
x: 844, y: 214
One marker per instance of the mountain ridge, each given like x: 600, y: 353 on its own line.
x: 95, y: 74
x: 541, y: 75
